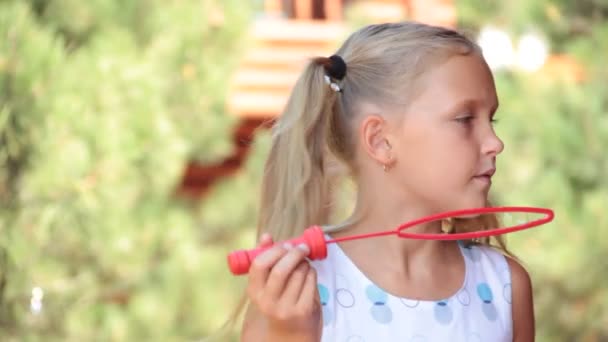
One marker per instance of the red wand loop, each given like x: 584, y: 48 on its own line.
x: 240, y: 261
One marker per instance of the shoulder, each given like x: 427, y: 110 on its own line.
x: 522, y: 307
x: 520, y: 281
x: 522, y: 302
x: 520, y: 278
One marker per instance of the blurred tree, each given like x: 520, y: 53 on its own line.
x: 102, y: 103
x: 554, y: 129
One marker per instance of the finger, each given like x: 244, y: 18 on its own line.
x: 309, y: 294
x: 295, y: 283
x: 265, y: 240
x: 282, y: 270
x: 262, y: 265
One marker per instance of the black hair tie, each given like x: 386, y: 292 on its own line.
x: 337, y: 68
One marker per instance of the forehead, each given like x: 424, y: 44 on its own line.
x: 460, y: 79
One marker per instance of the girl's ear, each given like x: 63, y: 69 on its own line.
x: 375, y: 139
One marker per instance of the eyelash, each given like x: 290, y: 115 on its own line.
x: 467, y: 119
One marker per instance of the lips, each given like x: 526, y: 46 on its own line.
x: 485, y: 177
x: 487, y: 173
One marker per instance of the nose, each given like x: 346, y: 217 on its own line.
x: 492, y: 144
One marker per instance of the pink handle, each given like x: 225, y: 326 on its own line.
x: 240, y: 261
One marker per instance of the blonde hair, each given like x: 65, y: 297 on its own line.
x: 383, y: 63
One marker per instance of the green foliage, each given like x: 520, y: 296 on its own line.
x: 102, y: 104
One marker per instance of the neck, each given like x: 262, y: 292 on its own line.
x: 385, y: 213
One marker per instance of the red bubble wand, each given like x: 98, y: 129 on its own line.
x: 240, y: 261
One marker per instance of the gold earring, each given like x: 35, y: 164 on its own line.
x: 386, y: 166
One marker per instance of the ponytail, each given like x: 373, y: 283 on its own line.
x: 295, y: 185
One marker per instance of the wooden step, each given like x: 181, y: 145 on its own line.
x: 281, y: 48
x: 381, y: 11
x: 265, y: 79
x: 257, y: 104
x: 270, y: 32
x: 283, y: 56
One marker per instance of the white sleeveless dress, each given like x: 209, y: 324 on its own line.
x: 356, y: 310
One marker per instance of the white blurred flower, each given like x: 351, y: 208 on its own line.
x: 36, y: 300
x: 532, y: 52
x: 497, y: 47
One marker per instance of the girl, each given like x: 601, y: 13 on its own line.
x: 408, y: 108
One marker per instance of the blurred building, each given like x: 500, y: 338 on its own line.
x: 284, y: 36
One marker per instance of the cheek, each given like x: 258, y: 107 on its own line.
x: 441, y: 158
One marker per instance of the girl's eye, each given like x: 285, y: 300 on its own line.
x: 465, y: 119
x: 494, y: 121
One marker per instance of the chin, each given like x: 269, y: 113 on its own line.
x: 472, y: 203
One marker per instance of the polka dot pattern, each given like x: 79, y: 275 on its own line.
x: 379, y: 311
x: 325, y: 309
x: 357, y: 310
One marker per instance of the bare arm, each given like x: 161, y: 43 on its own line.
x: 522, y: 303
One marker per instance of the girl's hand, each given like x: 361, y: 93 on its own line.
x: 283, y: 289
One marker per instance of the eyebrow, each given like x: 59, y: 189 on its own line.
x: 474, y: 104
